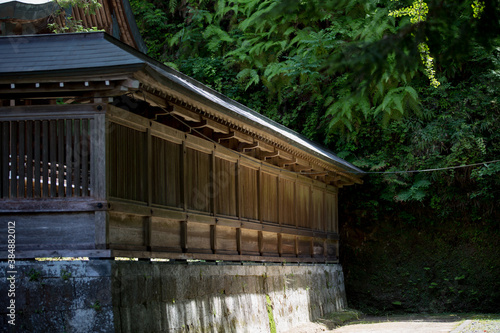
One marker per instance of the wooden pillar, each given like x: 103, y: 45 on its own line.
x: 13, y: 159
x: 260, y: 197
x: 99, y: 152
x: 29, y: 159
x: 184, y: 175
x: 5, y: 159
x: 238, y: 189
x: 213, y: 228
x: 149, y: 166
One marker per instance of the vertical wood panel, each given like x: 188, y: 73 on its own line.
x: 249, y: 189
x: 238, y: 190
x: 166, y: 173
x: 5, y: 159
x: 159, y: 186
x: 69, y: 157
x: 198, y: 187
x: 21, y: 156
x: 60, y: 157
x: 303, y: 205
x: 224, y: 181
x: 101, y: 229
x: 330, y: 211
x: 13, y: 159
x: 38, y: 159
x: 85, y: 158
x: 97, y: 156
x: 127, y: 163
x: 29, y: 159
x: 77, y: 153
x: 45, y: 158
x: 149, y: 167
x: 336, y: 214
x: 184, y: 176
x: 270, y: 203
x: 287, y: 202
x: 317, y: 218
x: 53, y: 157
x: 212, y: 187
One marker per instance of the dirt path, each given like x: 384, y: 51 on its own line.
x: 406, y: 324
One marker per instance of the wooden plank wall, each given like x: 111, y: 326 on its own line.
x: 45, y: 158
x: 172, y: 192
x: 52, y: 168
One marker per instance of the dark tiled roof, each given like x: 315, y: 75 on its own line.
x: 92, y: 53
x: 41, y: 53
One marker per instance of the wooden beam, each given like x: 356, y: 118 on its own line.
x: 185, y: 113
x: 315, y: 173
x: 265, y: 155
x: 265, y: 147
x: 30, y: 254
x: 222, y: 136
x: 37, y: 87
x: 52, y: 205
x: 200, y: 124
x: 249, y: 146
x: 300, y: 168
x: 284, y: 162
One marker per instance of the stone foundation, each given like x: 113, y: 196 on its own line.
x: 144, y: 296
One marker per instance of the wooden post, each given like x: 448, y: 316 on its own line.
x: 38, y: 160
x: 77, y: 157
x: 98, y: 161
x: 213, y: 184
x: 278, y: 198
x: 85, y: 156
x: 69, y: 157
x: 280, y: 244
x: 184, y: 175
x: 13, y: 159
x: 238, y: 189
x: 5, y: 159
x: 184, y: 236
x: 323, y: 212
x: 29, y: 159
x: 53, y: 157
x: 213, y: 238
x: 21, y: 158
x: 212, y: 189
x: 60, y: 157
x: 149, y: 165
x: 101, y: 229
x: 261, y: 242
x: 148, y: 228
x: 238, y: 241
x: 260, y: 203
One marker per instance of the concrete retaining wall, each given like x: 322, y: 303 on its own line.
x: 140, y: 296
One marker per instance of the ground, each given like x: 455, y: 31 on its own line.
x: 408, y: 323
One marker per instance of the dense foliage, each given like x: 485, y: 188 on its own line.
x: 356, y: 76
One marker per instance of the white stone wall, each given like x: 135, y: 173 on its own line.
x: 144, y: 296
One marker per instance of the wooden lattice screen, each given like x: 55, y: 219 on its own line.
x: 45, y: 158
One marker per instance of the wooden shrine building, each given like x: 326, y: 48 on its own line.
x: 107, y: 153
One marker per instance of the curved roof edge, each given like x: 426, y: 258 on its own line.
x: 113, y: 53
